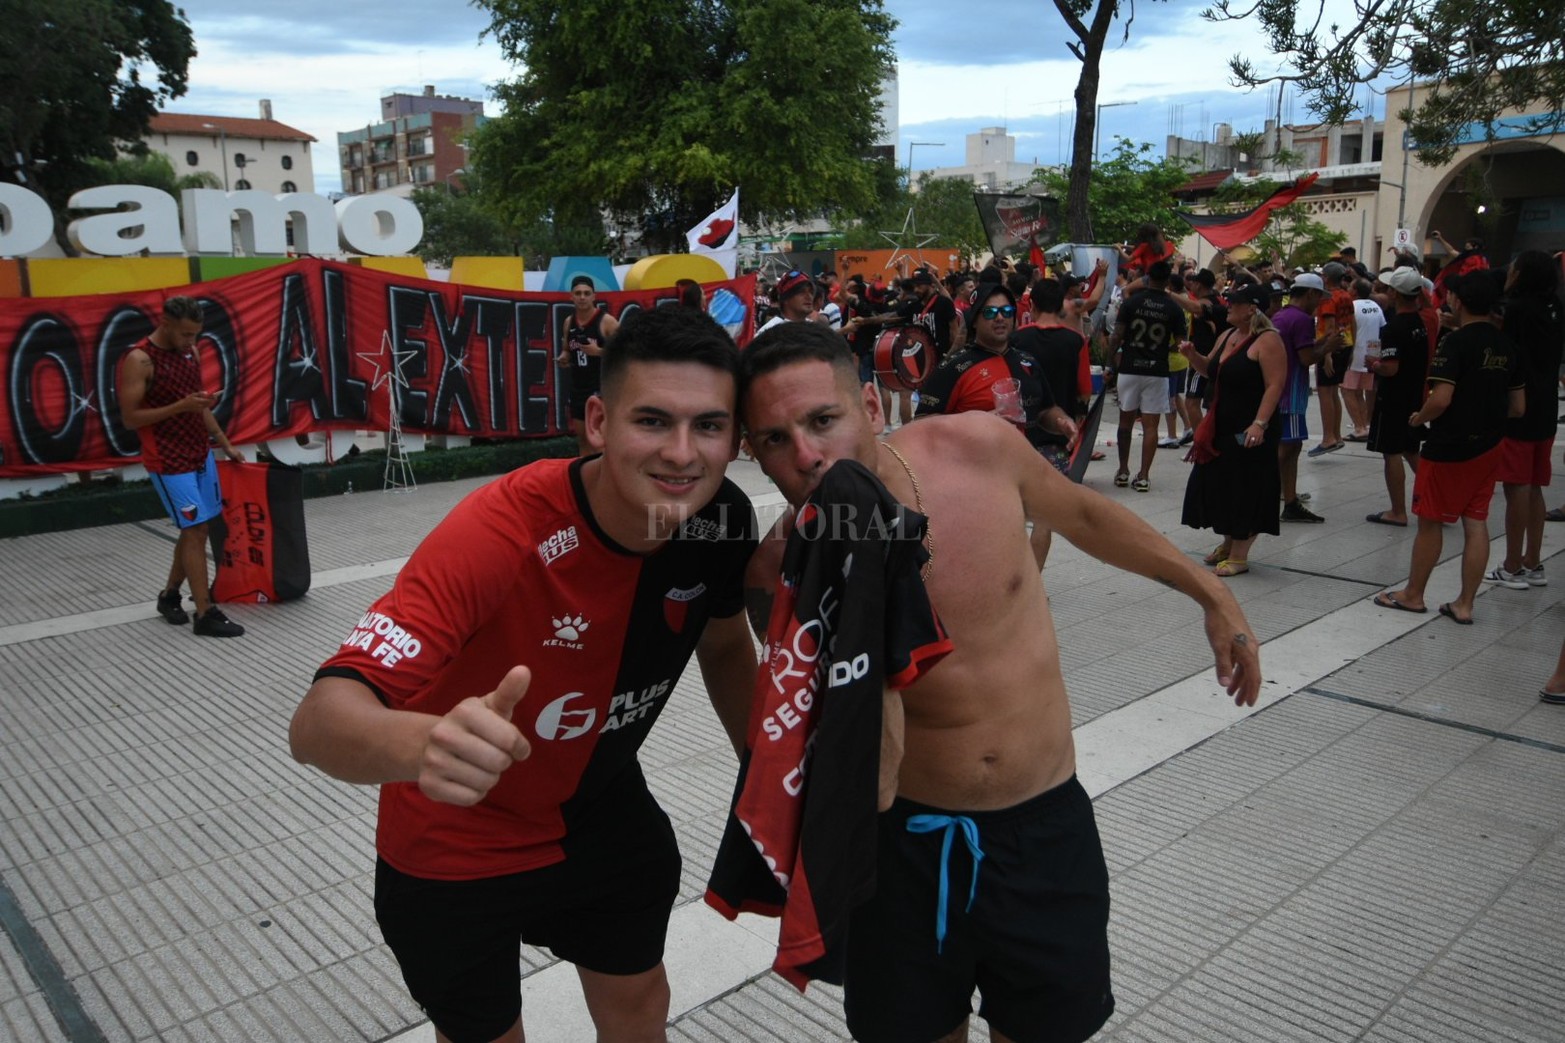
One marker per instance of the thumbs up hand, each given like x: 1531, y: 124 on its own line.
x: 470, y: 747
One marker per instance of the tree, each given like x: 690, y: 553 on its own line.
x: 655, y: 109
x: 942, y: 207
x: 1088, y: 49
x: 80, y: 80
x: 1291, y: 235
x: 1125, y: 191
x: 1478, y: 58
x: 152, y: 169
x: 458, y: 225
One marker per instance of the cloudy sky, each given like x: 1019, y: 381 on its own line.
x: 325, y: 65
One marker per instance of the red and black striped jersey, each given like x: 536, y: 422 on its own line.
x: 521, y: 573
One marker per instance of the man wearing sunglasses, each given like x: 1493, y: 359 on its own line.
x: 966, y: 381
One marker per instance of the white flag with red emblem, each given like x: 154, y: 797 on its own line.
x: 720, y: 230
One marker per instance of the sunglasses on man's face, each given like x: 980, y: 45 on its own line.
x: 994, y: 311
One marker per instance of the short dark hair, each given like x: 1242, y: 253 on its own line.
x: 1476, y: 291
x: 1534, y: 274
x: 1016, y: 282
x: 690, y: 294
x: 182, y: 309
x: 1158, y: 272
x: 1362, y: 288
x: 586, y: 280
x: 1048, y: 296
x: 668, y: 333
x: 791, y: 342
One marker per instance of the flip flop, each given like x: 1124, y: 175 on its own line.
x: 1218, y: 555
x: 1232, y: 568
x: 1445, y: 610
x: 1385, y: 599
x: 1379, y: 518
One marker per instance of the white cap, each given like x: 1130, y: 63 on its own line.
x: 1405, y: 280
x: 1308, y: 281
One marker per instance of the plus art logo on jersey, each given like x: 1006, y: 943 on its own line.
x: 676, y: 606
x: 568, y: 631
x: 560, y: 720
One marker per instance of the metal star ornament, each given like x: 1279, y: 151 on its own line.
x: 899, y: 240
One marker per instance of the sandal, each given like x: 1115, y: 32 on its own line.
x: 1219, y: 554
x: 1229, y: 567
x: 1122, y: 479
x: 1141, y: 485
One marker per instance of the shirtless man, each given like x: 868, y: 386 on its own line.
x: 987, y: 734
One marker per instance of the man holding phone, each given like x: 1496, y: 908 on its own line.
x: 161, y: 398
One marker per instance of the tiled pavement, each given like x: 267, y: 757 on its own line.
x: 1374, y: 854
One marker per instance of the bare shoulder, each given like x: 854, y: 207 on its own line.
x: 957, y: 437
x: 137, y: 358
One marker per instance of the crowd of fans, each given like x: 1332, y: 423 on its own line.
x: 1223, y: 358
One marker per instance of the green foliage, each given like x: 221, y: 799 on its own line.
x: 152, y: 169
x: 1472, y: 60
x: 1127, y: 190
x: 656, y: 109
x: 460, y: 226
x: 942, y: 207
x: 80, y: 79
x: 1291, y: 235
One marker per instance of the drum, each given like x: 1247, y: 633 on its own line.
x: 903, y: 357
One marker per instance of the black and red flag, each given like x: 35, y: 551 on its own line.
x: 258, y: 541
x: 1226, y: 231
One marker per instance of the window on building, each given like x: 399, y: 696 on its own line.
x: 241, y: 185
x: 287, y: 162
x: 191, y: 159
x: 289, y: 186
x: 239, y: 159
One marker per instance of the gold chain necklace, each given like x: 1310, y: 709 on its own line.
x: 918, y: 505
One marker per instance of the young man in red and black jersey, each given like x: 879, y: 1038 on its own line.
x: 161, y: 396
x: 499, y: 693
x: 589, y: 328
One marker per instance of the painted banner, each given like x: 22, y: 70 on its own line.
x: 308, y: 346
x: 1015, y: 222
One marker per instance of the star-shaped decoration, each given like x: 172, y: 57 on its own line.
x: 377, y: 358
x: 457, y: 363
x: 81, y: 404
x: 899, y: 240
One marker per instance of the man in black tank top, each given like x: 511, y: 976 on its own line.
x: 581, y: 356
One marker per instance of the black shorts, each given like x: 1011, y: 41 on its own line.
x: 578, y: 403
x: 605, y: 908
x: 1340, y: 361
x: 1035, y: 941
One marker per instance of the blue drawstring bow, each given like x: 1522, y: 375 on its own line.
x: 930, y: 823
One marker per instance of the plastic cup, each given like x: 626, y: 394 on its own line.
x: 1008, y: 399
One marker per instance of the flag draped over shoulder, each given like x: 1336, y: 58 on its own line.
x: 1226, y: 231
x: 719, y: 231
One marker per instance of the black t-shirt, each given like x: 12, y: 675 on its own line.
x: 1150, y: 326
x: 862, y: 340
x: 935, y: 315
x: 1481, y: 364
x: 1058, y: 351
x: 1405, y: 341
x: 1539, y: 332
x: 1205, y: 326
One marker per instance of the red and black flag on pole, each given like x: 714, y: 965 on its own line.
x: 1225, y: 231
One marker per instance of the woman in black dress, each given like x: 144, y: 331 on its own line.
x: 1235, y: 484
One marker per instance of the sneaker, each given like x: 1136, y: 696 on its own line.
x: 1323, y: 449
x: 1513, y: 580
x: 1168, y: 443
x: 1535, y: 577
x: 170, y: 609
x: 1141, y: 485
x: 1122, y: 479
x: 1297, y: 512
x: 1187, y: 438
x: 214, y: 624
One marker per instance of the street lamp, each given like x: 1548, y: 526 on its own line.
x: 458, y: 172
x: 910, y: 147
x: 1097, y: 127
x: 222, y: 137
